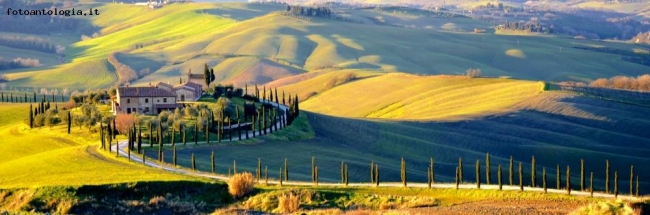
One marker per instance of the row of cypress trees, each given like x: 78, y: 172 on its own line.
x: 25, y: 99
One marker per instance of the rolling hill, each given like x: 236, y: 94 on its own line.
x: 243, y: 41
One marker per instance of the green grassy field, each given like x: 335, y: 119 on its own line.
x: 423, y: 98
x: 556, y: 128
x: 49, y: 157
x: 246, y: 44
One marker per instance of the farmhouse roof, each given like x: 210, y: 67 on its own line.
x: 144, y: 92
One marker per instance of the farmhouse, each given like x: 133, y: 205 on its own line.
x: 154, y: 99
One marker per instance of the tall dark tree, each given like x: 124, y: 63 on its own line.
x: 568, y: 179
x: 184, y: 129
x: 457, y: 177
x: 286, y: 169
x: 432, y: 172
x: 511, y: 171
x: 500, y: 177
x: 31, y: 117
x: 521, y: 176
x: 460, y: 170
x: 372, y: 172
x: 582, y: 175
x: 212, y: 164
x: 174, y: 155
x: 404, y: 179
x: 487, y: 168
x: 342, y: 172
x: 478, y: 174
x: 558, y: 180
x: 637, y: 184
x: 376, y: 175
x: 70, y: 124
x: 533, y: 173
x: 606, y: 176
x: 139, y: 139
x: 544, y: 178
x: 206, y: 75
x: 212, y: 77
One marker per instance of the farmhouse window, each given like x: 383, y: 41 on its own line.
x: 128, y: 101
x: 146, y: 100
x: 165, y: 100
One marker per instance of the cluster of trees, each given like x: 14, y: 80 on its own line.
x: 208, y: 75
x: 641, y: 82
x: 309, y: 11
x: 10, y: 98
x: 30, y: 43
x: 227, y: 91
x: 530, y: 26
x: 473, y: 73
x: 17, y: 63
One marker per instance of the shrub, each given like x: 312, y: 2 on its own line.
x: 288, y: 203
x: 473, y: 73
x: 241, y: 184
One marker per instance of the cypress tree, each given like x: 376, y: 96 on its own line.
x: 512, y: 171
x: 342, y: 173
x: 521, y: 176
x: 346, y: 175
x: 31, y: 117
x: 193, y: 162
x: 276, y: 96
x: 313, y: 169
x: 478, y: 174
x: 101, y: 135
x: 582, y: 174
x: 196, y: 134
x: 139, y: 139
x: 377, y: 175
x: 266, y: 175
x: 568, y: 180
x: 316, y: 176
x: 110, y: 140
x: 558, y: 180
x: 606, y: 176
x: 212, y: 162
x: 160, y: 142
x: 487, y: 168
x: 433, y: 172
x: 544, y: 178
x: 70, y: 124
x: 259, y: 169
x: 174, y: 156
x: 143, y: 157
x: 117, y: 149
x: 403, y: 173
x: 460, y: 170
x: 591, y: 184
x: 162, y: 160
x: 114, y: 130
x: 372, y: 172
x: 286, y: 169
x: 533, y: 173
x: 500, y: 177
x: 283, y: 100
